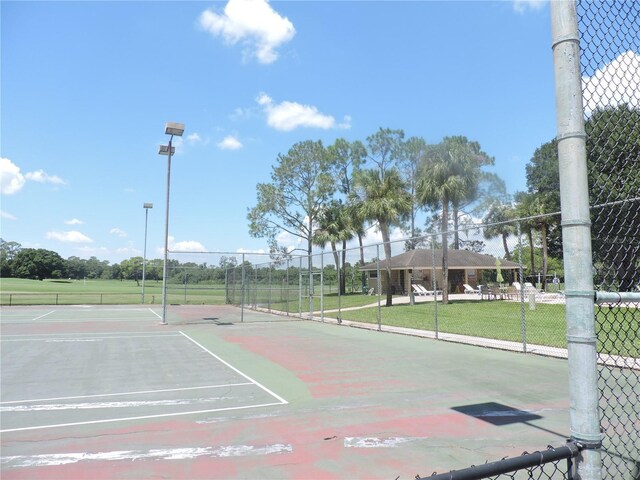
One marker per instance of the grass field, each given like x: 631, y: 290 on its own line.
x: 17, y: 291
x: 499, y: 320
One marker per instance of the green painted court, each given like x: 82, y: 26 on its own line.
x: 108, y: 392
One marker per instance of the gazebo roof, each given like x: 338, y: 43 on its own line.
x: 458, y: 259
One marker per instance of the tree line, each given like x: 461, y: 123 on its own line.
x: 41, y: 264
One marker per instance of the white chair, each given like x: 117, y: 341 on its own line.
x: 469, y: 289
x: 419, y: 290
x: 429, y: 292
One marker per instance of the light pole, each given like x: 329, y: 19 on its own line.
x: 172, y: 129
x: 146, y: 207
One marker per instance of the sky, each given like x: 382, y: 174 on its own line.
x: 87, y: 87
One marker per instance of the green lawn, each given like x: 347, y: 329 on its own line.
x: 500, y: 320
x: 618, y: 328
x: 16, y: 291
x: 329, y: 302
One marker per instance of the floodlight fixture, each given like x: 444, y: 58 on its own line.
x: 147, y: 205
x: 171, y: 128
x: 164, y: 150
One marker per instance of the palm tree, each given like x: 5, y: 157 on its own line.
x: 496, y: 225
x: 386, y: 201
x: 444, y: 181
x: 466, y: 159
x: 526, y: 208
x: 413, y: 151
x: 334, y: 225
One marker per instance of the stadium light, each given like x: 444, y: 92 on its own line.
x: 176, y: 129
x: 164, y: 150
x: 172, y: 129
x: 146, y: 207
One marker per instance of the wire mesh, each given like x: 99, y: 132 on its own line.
x: 610, y: 61
x: 619, y: 384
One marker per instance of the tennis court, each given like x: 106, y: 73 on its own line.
x: 108, y: 392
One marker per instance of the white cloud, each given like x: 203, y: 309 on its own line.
x: 287, y: 116
x: 290, y: 242
x: 614, y: 84
x: 118, y: 232
x: 195, y: 138
x: 189, y: 246
x: 74, y: 221
x: 69, y: 237
x: 41, y: 177
x: 7, y: 215
x: 252, y: 23
x: 229, y: 143
x: 522, y: 6
x: 11, y: 180
x: 129, y: 250
x: 183, y: 246
x: 260, y: 251
x: 240, y: 113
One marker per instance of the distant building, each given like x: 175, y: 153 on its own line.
x: 417, y: 266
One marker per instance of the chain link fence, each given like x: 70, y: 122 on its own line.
x: 502, y: 290
x: 610, y: 63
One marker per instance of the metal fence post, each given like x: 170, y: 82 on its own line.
x: 300, y: 289
x: 269, y: 280
x: 523, y: 315
x: 255, y: 289
x: 340, y: 273
x: 379, y: 285
x: 311, y: 286
x: 242, y: 292
x: 286, y: 289
x: 226, y: 285
x: 576, y: 239
x: 434, y: 283
x: 322, y: 286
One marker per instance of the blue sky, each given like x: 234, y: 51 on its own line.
x: 87, y: 88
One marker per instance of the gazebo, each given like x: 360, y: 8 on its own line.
x: 418, y: 266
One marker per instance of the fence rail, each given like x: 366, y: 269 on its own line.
x: 175, y: 295
x: 538, y: 465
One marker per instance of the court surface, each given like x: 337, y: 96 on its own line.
x: 109, y: 392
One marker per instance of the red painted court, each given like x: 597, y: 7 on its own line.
x: 108, y: 392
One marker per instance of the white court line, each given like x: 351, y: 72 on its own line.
x: 142, y: 392
x: 164, y: 334
x: 143, y: 417
x: 56, y: 459
x: 282, y: 400
x: 75, y: 339
x: 159, y: 316
x: 38, y: 318
x: 85, y: 320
